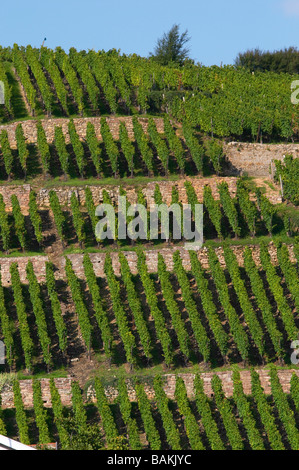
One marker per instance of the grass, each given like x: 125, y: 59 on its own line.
x: 111, y: 376
x: 20, y: 254
x: 56, y: 374
x: 137, y: 180
x: 71, y: 250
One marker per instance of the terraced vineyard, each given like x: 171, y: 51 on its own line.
x: 239, y: 422
x: 116, y: 317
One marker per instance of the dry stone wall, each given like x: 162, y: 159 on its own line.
x: 39, y: 266
x: 30, y: 132
x: 64, y: 387
x: 98, y: 260
x: 64, y: 193
x: 22, y: 193
x: 254, y: 159
x: 226, y: 379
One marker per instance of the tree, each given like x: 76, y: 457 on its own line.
x: 170, y: 47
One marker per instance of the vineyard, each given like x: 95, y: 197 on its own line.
x: 232, y: 102
x: 239, y: 422
x: 116, y: 316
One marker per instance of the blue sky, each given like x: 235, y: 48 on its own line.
x: 219, y: 29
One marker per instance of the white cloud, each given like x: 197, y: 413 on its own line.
x: 291, y: 7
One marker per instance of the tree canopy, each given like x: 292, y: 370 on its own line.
x: 170, y: 48
x: 285, y: 60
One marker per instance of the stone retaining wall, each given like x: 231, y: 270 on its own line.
x: 255, y: 159
x: 22, y: 193
x: 98, y: 260
x: 30, y: 132
x: 64, y: 193
x: 64, y: 387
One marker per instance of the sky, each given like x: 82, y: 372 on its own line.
x: 219, y: 29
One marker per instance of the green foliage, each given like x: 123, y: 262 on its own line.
x: 213, y: 208
x: 289, y: 272
x: 127, y: 147
x: 280, y: 61
x: 56, y: 308
x: 43, y: 147
x: 214, y: 151
x: 196, y: 150
x: 35, y: 217
x: 100, y: 313
x: 39, y: 313
x: 151, y: 297
x: 23, y: 152
x: 285, y: 413
x: 6, y: 152
x: 40, y: 413
x: 191, y: 426
x: 278, y: 293
x: 149, y: 424
x: 237, y: 331
x: 265, y: 412
x: 4, y: 225
x: 255, y: 439
x: 22, y: 71
x: 170, y: 47
x: 264, y: 305
x: 108, y: 422
x: 208, y: 304
x: 119, y: 312
x: 227, y: 416
x: 267, y: 210
x: 175, y: 144
x: 110, y: 146
x: 78, y: 407
x: 19, y: 221
x: 172, y: 306
x: 77, y: 147
x: 58, y: 214
x: 78, y: 219
x: 200, y: 334
x: 58, y: 415
x: 247, y: 207
x: 229, y: 207
x: 20, y: 414
x: 32, y: 57
x: 61, y: 149
x: 26, y: 341
x: 205, y: 412
x: 81, y: 310
x: 172, y: 433
x: 159, y: 143
x: 126, y: 412
x: 289, y: 172
x: 94, y: 147
x: 143, y: 145
x: 6, y: 327
x: 135, y: 306
x: 246, y: 306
